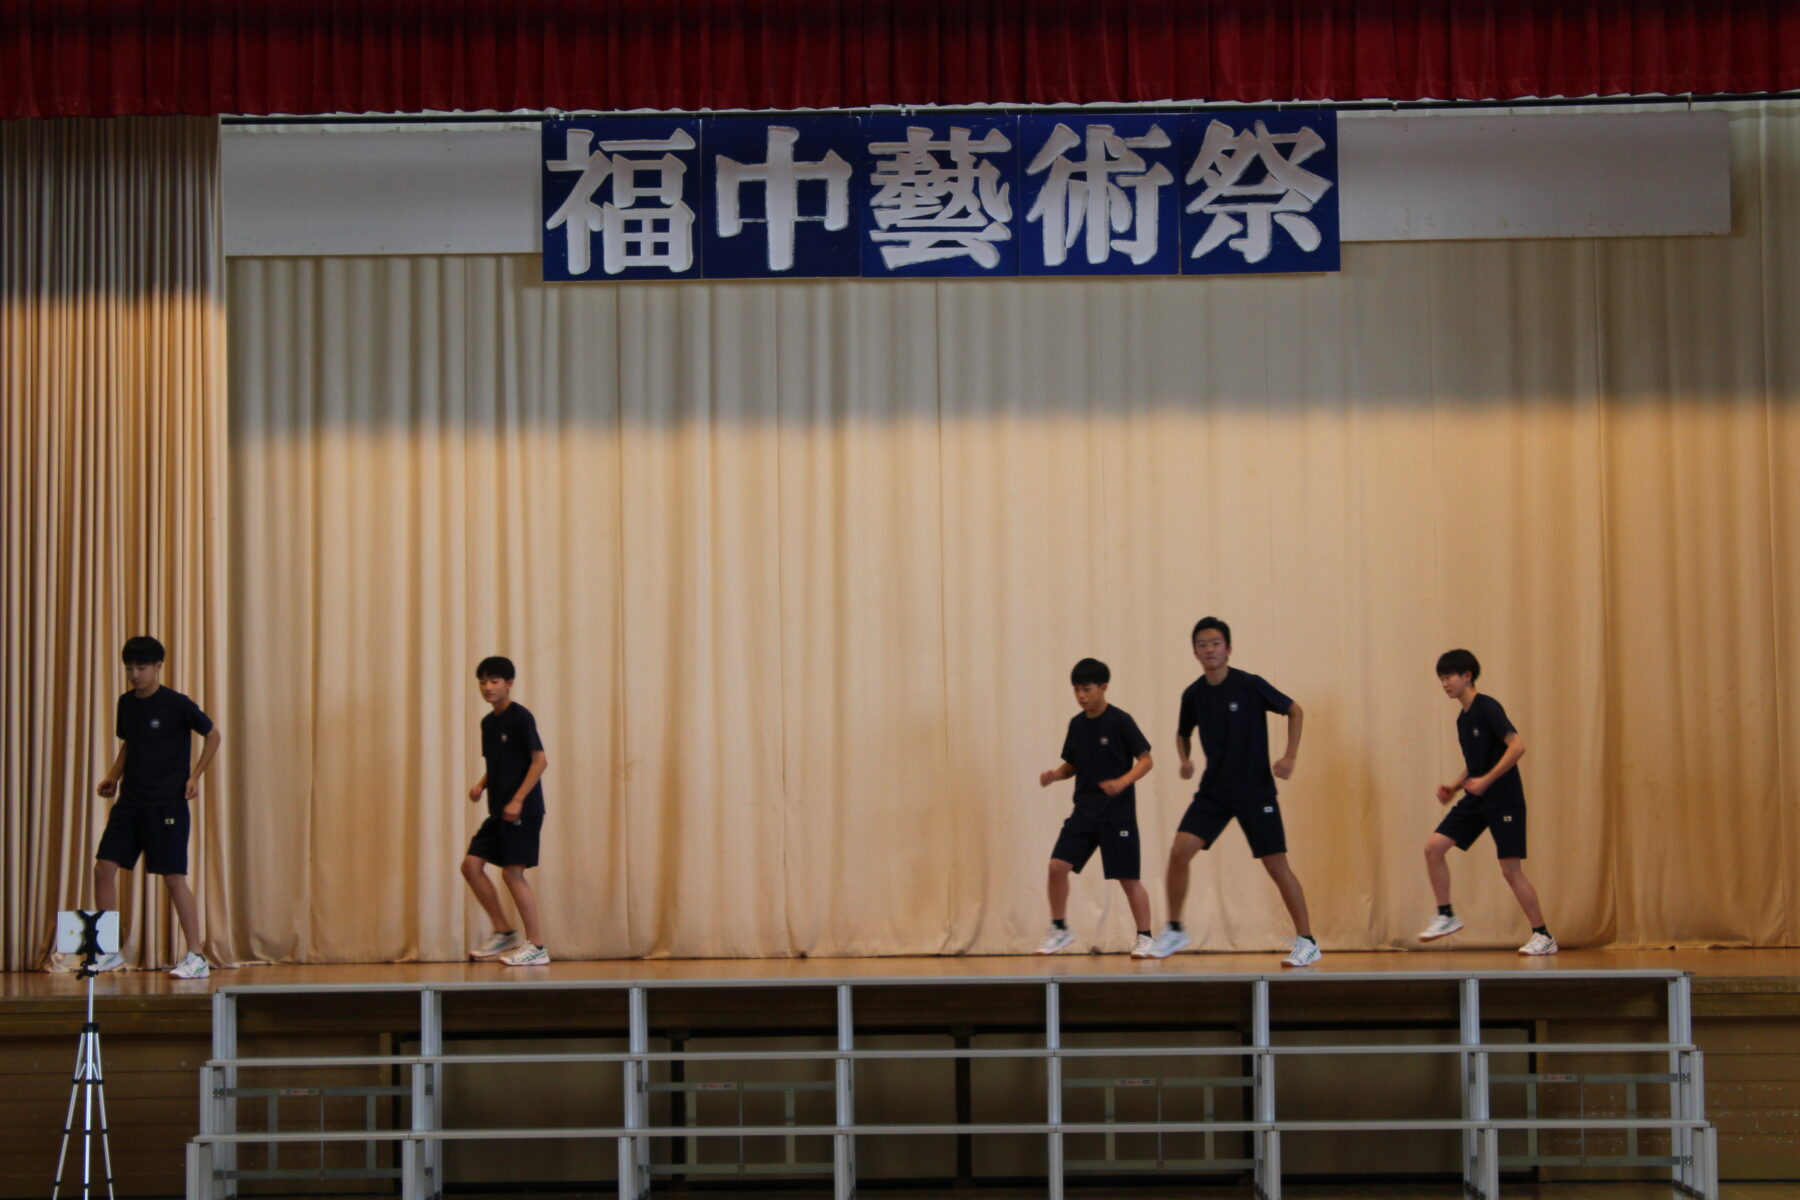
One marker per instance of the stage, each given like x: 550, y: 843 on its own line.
x: 948, y: 1040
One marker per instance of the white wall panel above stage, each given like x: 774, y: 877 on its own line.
x: 411, y: 189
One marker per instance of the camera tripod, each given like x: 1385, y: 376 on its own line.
x: 88, y: 1089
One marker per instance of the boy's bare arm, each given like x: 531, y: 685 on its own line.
x: 1284, y: 766
x: 209, y: 748
x: 109, y: 786
x: 1055, y: 775
x: 480, y: 787
x: 1184, y: 747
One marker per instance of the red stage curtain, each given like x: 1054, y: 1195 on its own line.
x: 116, y: 57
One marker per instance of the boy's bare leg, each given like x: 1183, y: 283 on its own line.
x: 475, y: 871
x: 526, y: 901
x: 1514, y: 870
x: 1058, y: 889
x: 106, y: 885
x: 1292, y: 894
x: 1436, y: 847
x: 1139, y: 899
x: 1181, y: 852
x: 187, y: 910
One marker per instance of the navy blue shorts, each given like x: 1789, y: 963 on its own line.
x: 1464, y: 823
x: 1116, y: 838
x: 159, y: 832
x: 508, y: 843
x: 1206, y: 818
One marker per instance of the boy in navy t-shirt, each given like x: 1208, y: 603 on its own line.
x: 154, y: 776
x: 509, y: 836
x: 1107, y: 754
x: 1230, y: 710
x: 1493, y: 800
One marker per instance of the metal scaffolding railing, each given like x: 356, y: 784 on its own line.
x: 1692, y: 1161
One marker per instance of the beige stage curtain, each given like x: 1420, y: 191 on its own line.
x: 112, y: 382
x: 794, y: 574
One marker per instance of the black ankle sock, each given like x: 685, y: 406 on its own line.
x: 1307, y: 937
x: 1059, y: 922
x: 1143, y: 933
x: 1175, y: 925
x: 1543, y: 929
x: 1444, y: 910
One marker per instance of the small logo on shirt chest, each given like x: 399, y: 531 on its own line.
x: 1105, y: 742
x: 1233, y: 706
x: 503, y: 737
x: 155, y: 723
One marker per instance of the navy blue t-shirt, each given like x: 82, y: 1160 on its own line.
x: 507, y: 740
x: 1482, y: 731
x: 1232, y: 718
x: 158, y: 731
x: 1101, y: 748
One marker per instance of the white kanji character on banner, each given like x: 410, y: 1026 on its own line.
x: 646, y: 223
x: 930, y: 207
x: 1279, y: 193
x: 780, y: 177
x: 1110, y: 190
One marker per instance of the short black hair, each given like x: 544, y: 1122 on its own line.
x: 1459, y: 662
x: 1090, y: 670
x: 496, y: 666
x: 1210, y: 623
x: 142, y: 651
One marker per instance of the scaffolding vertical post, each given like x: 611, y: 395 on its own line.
x: 843, y: 1150
x: 1475, y: 1088
x: 222, y: 1103
x: 634, y: 1152
x: 1709, y: 1162
x: 1267, y: 1142
x: 199, y: 1170
x: 412, y: 1170
x: 1682, y: 1093
x: 1053, y: 1086
x: 428, y: 1092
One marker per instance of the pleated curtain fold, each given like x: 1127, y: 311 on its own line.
x: 112, y: 386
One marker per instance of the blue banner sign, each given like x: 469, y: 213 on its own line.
x: 938, y: 196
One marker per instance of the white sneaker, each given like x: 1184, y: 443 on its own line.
x: 112, y: 961
x: 1539, y: 944
x: 1306, y: 953
x: 525, y: 954
x: 194, y: 966
x: 1144, y: 947
x: 1058, y: 938
x: 1441, y: 926
x: 1170, y: 941
x: 498, y: 944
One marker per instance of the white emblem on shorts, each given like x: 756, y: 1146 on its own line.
x: 1508, y: 820
x: 1271, y: 808
x: 1124, y: 833
x: 171, y: 820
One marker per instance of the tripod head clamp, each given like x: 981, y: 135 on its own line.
x: 89, y: 934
